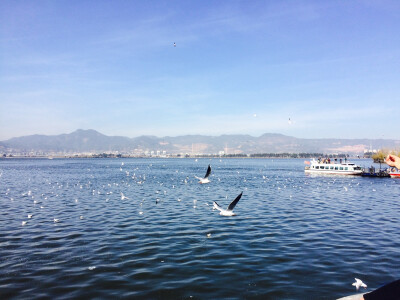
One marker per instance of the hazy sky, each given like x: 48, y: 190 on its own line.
x: 239, y: 67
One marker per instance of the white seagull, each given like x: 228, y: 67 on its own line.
x: 123, y: 197
x: 359, y: 283
x: 205, y: 179
x: 229, y: 210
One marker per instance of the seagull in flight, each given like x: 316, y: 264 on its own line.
x: 123, y: 197
x: 359, y: 283
x: 205, y: 179
x: 229, y: 211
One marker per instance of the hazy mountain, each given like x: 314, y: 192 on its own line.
x: 77, y: 141
x: 93, y: 141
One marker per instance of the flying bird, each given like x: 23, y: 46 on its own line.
x: 123, y: 197
x: 290, y: 122
x: 359, y: 283
x: 205, y: 179
x: 229, y: 210
x: 174, y: 44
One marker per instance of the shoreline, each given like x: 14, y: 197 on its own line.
x: 171, y: 157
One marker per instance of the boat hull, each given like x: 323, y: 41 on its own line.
x: 333, y: 172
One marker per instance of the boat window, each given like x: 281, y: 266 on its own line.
x: 346, y: 168
x: 336, y: 168
x: 317, y: 167
x: 341, y: 168
x: 322, y: 167
x: 332, y: 167
x: 357, y: 168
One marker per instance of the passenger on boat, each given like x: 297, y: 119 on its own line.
x: 393, y: 161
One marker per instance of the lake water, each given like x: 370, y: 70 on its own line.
x: 295, y: 236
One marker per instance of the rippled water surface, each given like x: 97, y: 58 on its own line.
x: 294, y: 236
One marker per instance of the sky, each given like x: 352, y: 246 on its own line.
x: 308, y: 69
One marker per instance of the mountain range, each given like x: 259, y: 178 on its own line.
x: 84, y: 141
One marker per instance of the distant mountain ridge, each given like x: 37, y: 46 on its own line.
x: 81, y: 141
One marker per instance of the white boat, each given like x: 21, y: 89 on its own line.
x: 345, y: 168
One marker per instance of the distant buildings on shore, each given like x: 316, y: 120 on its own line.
x: 163, y: 153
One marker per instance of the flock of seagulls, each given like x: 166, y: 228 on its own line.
x: 202, y: 180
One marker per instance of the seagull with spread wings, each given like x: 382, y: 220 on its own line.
x: 205, y: 179
x: 229, y: 211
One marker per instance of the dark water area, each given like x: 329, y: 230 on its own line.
x: 295, y: 236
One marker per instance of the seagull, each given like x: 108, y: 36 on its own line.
x: 229, y: 210
x: 56, y: 220
x: 23, y: 223
x: 205, y: 179
x: 174, y: 44
x: 29, y: 216
x: 359, y: 283
x: 123, y: 197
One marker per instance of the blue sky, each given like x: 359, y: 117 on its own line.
x: 239, y: 67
